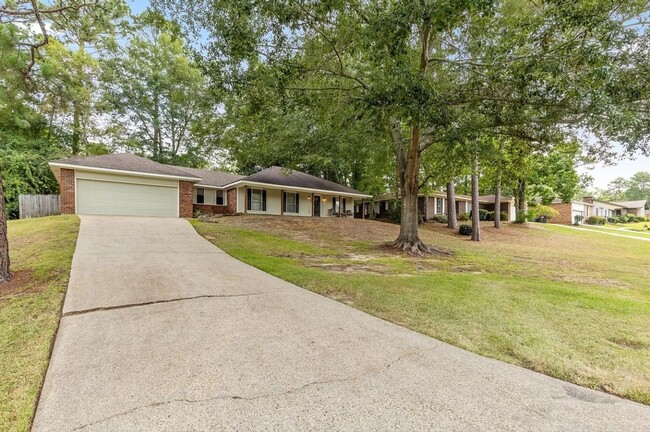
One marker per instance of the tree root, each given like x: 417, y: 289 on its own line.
x: 417, y: 247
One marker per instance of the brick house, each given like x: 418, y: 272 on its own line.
x: 591, y: 207
x: 129, y: 185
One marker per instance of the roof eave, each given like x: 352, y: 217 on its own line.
x: 127, y: 172
x: 296, y: 188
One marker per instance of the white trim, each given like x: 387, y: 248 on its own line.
x: 116, y: 171
x: 123, y: 181
x: 294, y: 188
x: 178, y: 200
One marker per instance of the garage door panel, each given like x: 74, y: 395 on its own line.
x: 128, y: 199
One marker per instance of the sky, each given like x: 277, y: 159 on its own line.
x: 602, y: 174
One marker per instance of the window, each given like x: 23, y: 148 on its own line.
x: 256, y: 200
x: 220, y: 198
x: 439, y: 208
x: 200, y: 195
x: 291, y: 202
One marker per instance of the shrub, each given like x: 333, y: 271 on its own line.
x: 522, y: 217
x: 504, y: 216
x: 596, y: 220
x: 440, y: 218
x: 577, y: 219
x: 464, y: 216
x: 621, y: 219
x: 612, y: 220
x: 632, y: 219
x: 642, y: 219
x: 489, y: 216
x: 541, y: 213
x: 465, y: 230
x: 483, y: 214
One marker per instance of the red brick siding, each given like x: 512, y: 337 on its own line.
x: 565, y: 213
x: 230, y: 208
x: 232, y: 201
x: 185, y: 195
x: 66, y: 185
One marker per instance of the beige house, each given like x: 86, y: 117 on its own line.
x: 129, y: 185
x: 590, y: 207
x: 430, y: 205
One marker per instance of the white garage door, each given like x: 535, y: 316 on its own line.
x: 126, y: 199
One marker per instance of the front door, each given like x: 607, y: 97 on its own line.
x: 316, y: 206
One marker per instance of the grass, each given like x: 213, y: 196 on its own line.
x: 637, y: 226
x: 41, y: 253
x: 571, y: 304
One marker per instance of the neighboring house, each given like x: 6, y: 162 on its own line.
x: 590, y: 207
x: 430, y: 205
x: 126, y: 184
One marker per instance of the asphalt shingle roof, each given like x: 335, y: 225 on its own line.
x: 285, y: 177
x: 125, y: 162
x: 211, y: 178
x: 631, y: 204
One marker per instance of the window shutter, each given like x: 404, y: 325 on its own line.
x: 344, y: 203
x: 333, y: 203
x: 249, y: 198
x: 284, y: 201
x: 297, y: 203
x: 263, y: 200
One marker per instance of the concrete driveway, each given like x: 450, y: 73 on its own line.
x: 163, y: 331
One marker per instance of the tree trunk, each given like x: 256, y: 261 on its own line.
x: 4, y: 241
x: 76, y: 131
x: 520, y: 199
x: 476, y: 221
x: 452, y: 222
x: 497, y: 202
x: 408, y: 168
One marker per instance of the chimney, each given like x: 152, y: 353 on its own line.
x: 588, y: 199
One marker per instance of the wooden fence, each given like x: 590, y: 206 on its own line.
x: 31, y: 206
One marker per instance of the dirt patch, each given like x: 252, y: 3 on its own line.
x: 607, y: 283
x: 20, y: 284
x: 346, y: 268
x: 632, y: 344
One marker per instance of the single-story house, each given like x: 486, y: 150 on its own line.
x: 433, y: 204
x: 129, y: 185
x: 591, y: 207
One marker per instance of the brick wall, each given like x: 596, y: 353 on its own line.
x: 229, y: 209
x: 232, y: 201
x: 565, y: 216
x: 66, y: 185
x: 185, y: 191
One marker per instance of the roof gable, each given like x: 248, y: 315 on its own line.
x: 292, y: 178
x: 211, y: 178
x: 124, y: 162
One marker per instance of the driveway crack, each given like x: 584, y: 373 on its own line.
x: 373, y: 371
x: 132, y: 305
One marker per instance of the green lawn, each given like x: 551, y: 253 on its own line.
x: 574, y: 305
x: 612, y: 229
x: 41, y: 253
x: 638, y: 226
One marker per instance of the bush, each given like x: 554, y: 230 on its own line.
x: 541, y: 212
x: 621, y: 219
x: 440, y: 218
x: 612, y: 220
x: 642, y: 219
x: 483, y: 214
x: 596, y: 220
x: 490, y: 216
x: 522, y: 217
x: 464, y: 216
x: 632, y: 219
x: 465, y: 230
x: 504, y: 216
